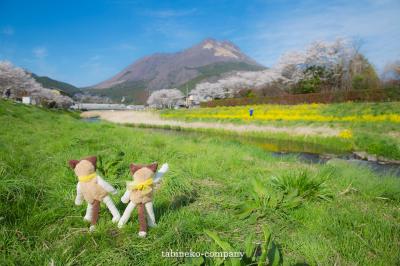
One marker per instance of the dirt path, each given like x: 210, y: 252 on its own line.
x: 150, y: 118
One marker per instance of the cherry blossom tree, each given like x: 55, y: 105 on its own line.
x: 327, y: 61
x: 20, y: 83
x: 230, y: 85
x: 207, y: 91
x: 166, y: 98
x: 16, y: 80
x: 391, y: 71
x: 391, y: 76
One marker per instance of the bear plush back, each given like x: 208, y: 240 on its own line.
x: 84, y: 166
x: 136, y: 167
x: 142, y: 185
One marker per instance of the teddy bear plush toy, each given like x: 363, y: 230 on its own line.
x: 139, y: 193
x: 93, y: 189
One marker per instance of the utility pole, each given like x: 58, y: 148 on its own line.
x: 187, y: 96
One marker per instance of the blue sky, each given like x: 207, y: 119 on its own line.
x: 85, y: 42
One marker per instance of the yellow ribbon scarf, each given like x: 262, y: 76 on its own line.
x: 141, y: 186
x: 86, y: 178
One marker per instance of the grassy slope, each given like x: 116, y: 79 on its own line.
x: 380, y: 138
x: 208, y: 177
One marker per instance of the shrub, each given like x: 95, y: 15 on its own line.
x: 305, y: 185
x: 264, y: 199
x: 286, y: 192
x: 266, y: 254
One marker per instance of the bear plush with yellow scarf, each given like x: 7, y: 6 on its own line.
x: 93, y: 189
x: 139, y: 193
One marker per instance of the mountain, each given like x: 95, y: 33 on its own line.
x: 206, y: 60
x: 49, y: 83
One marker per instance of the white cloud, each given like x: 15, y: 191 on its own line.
x: 40, y: 52
x: 125, y: 47
x: 8, y: 30
x: 92, y: 63
x: 169, y: 13
x: 175, y: 35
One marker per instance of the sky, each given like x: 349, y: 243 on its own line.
x: 86, y: 42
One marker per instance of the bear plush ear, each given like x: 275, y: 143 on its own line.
x: 153, y: 167
x: 92, y: 159
x: 73, y: 163
x: 135, y: 167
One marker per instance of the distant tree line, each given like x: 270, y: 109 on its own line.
x: 323, y: 67
x: 89, y: 98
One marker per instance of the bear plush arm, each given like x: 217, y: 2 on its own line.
x: 79, y: 195
x: 106, y: 185
x: 126, y: 197
x: 164, y: 168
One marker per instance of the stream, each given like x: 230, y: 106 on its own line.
x: 306, y: 152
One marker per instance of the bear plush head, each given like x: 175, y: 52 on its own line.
x: 141, y: 173
x: 84, y: 167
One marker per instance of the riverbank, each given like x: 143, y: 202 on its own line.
x: 155, y: 120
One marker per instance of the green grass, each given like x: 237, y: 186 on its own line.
x: 209, y: 178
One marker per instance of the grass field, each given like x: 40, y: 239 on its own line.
x: 371, y: 127
x: 318, y: 214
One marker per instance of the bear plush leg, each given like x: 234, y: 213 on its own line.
x: 95, y: 214
x: 127, y: 214
x: 142, y: 220
x: 88, y: 215
x: 151, y: 219
x: 114, y: 211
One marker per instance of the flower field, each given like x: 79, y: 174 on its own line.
x: 371, y: 127
x: 302, y: 112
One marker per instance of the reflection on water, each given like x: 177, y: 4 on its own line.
x: 388, y: 169
x: 378, y: 167
x: 91, y: 119
x: 291, y: 146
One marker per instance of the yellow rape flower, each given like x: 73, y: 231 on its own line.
x: 345, y: 134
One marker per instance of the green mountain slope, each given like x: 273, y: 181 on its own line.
x: 133, y: 91
x: 55, y: 84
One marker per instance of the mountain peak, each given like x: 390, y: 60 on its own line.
x: 209, y: 39
x: 175, y: 69
x: 221, y: 48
